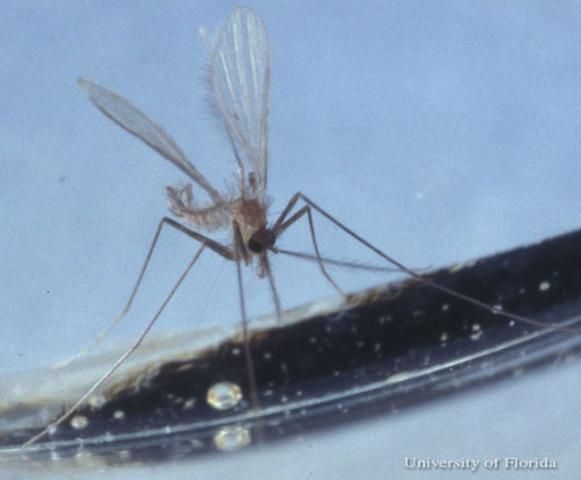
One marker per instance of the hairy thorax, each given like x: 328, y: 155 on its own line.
x: 250, y: 214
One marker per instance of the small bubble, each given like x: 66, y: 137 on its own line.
x: 496, y: 309
x: 444, y: 337
x: 232, y: 438
x: 544, y: 286
x: 224, y: 395
x: 476, y: 335
x: 118, y: 414
x: 189, y: 403
x: 445, y: 307
x: 97, y: 401
x: 476, y: 327
x: 79, y: 422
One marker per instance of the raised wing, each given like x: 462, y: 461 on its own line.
x: 136, y: 122
x: 239, y: 79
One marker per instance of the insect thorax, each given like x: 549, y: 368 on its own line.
x: 250, y: 214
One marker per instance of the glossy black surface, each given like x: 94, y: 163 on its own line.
x: 388, y: 349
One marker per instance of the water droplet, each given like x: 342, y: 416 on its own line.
x: 476, y: 335
x: 79, y: 422
x: 118, y: 414
x: 496, y: 309
x: 232, y: 438
x: 224, y: 395
x: 97, y: 401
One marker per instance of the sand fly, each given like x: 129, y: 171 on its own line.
x: 239, y: 77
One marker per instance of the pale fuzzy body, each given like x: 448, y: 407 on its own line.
x: 238, y: 78
x: 250, y: 214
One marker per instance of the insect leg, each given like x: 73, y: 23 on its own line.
x: 218, y: 248
x: 275, y: 298
x: 340, y: 263
x: 205, y: 242
x: 238, y: 249
x: 421, y: 278
x: 282, y: 224
x: 120, y: 360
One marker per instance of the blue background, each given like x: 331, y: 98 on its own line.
x: 440, y: 131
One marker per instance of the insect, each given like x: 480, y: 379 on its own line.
x: 239, y: 77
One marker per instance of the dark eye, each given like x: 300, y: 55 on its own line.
x: 254, y: 246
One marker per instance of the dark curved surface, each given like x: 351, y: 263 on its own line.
x: 390, y: 348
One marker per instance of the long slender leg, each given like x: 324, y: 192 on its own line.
x: 273, y: 290
x: 282, y: 217
x: 238, y: 246
x: 411, y: 273
x: 120, y: 360
x: 340, y: 263
x: 215, y: 246
x: 281, y: 225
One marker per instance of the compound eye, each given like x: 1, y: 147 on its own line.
x: 255, y: 247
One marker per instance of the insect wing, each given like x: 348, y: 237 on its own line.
x: 239, y: 79
x: 131, y: 119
